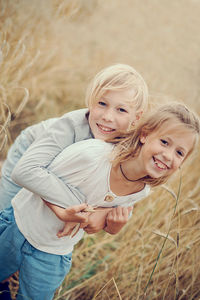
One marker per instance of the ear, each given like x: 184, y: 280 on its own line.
x: 139, y: 114
x: 137, y: 117
x: 143, y: 138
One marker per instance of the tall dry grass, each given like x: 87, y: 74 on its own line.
x: 48, y: 52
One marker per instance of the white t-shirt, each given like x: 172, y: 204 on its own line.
x: 85, y: 165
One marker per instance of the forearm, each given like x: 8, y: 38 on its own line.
x: 31, y: 173
x: 76, y: 213
x: 32, y: 170
x: 97, y: 220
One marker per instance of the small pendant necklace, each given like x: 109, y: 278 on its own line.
x: 126, y: 176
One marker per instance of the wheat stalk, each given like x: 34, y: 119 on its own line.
x: 167, y: 235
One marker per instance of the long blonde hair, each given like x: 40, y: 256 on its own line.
x: 129, y: 145
x: 118, y: 77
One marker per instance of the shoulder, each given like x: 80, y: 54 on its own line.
x: 93, y: 148
x: 95, y: 144
x: 71, y: 119
x: 147, y: 190
x: 77, y: 122
x: 87, y: 154
x: 77, y: 117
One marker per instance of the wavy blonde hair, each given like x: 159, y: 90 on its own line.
x: 129, y: 145
x: 118, y: 77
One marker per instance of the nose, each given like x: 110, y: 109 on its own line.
x: 108, y: 115
x: 168, y: 155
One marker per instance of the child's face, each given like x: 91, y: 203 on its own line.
x: 111, y: 113
x: 164, y: 150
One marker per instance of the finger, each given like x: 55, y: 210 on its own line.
x: 67, y: 229
x: 84, y: 224
x: 119, y: 211
x: 60, y: 234
x: 75, y: 230
x: 130, y: 208
x: 76, y: 208
x: 82, y: 217
x: 110, y: 215
x: 64, y: 232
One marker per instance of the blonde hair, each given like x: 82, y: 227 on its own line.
x: 117, y: 78
x: 129, y: 144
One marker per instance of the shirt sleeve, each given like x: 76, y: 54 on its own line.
x: 80, y: 161
x: 76, y: 162
x: 32, y: 173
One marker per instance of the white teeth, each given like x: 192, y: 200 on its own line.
x: 105, y: 128
x: 160, y: 165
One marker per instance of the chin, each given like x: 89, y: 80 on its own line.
x: 101, y: 137
x: 156, y: 176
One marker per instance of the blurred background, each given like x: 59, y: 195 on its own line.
x: 49, y: 51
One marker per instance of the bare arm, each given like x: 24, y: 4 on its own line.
x: 74, y: 213
x: 112, y: 220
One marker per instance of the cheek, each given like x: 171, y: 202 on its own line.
x: 177, y: 163
x: 144, y: 153
x: 94, y: 112
x: 123, y: 123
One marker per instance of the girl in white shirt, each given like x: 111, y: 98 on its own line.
x: 107, y: 174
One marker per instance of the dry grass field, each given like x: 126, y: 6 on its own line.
x: 49, y: 50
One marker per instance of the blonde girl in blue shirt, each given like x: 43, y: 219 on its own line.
x: 116, y: 98
x: 122, y: 171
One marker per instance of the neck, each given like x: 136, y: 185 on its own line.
x: 124, y: 175
x: 122, y: 186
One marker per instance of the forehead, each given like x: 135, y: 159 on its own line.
x: 174, y: 127
x: 178, y: 133
x: 125, y: 96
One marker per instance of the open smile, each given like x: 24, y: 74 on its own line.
x: 105, y: 129
x: 160, y: 165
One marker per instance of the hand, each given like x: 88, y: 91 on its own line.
x: 117, y: 218
x: 96, y: 221
x: 70, y: 228
x: 70, y: 214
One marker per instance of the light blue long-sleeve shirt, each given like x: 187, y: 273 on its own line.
x: 31, y: 171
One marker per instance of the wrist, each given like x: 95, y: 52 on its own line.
x: 109, y: 230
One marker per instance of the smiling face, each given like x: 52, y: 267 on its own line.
x: 164, y: 150
x: 114, y: 111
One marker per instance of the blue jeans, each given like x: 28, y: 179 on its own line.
x: 8, y: 189
x: 40, y: 273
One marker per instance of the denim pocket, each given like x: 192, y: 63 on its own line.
x: 67, y: 258
x: 67, y: 262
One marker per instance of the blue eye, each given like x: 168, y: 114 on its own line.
x: 164, y: 142
x: 122, y: 109
x: 102, y: 103
x: 180, y: 153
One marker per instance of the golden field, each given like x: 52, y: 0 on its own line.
x: 49, y: 51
